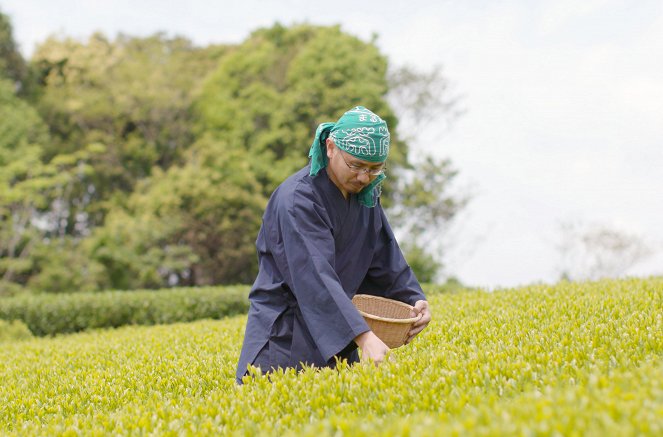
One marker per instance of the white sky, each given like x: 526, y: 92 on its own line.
x: 563, y: 100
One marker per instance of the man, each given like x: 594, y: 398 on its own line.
x: 324, y: 238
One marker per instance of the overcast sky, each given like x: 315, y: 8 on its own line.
x: 563, y: 105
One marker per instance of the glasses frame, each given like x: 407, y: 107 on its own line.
x: 363, y: 170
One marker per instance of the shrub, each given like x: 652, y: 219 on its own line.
x: 49, y: 314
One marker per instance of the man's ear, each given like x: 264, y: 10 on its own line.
x: 330, y: 147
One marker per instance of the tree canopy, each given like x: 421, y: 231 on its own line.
x: 12, y: 64
x: 147, y: 162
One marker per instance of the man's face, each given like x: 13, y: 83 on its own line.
x: 347, y: 172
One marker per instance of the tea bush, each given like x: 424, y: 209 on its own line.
x: 569, y: 359
x: 49, y: 314
x: 14, y: 330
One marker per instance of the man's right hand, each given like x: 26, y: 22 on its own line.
x: 372, y: 348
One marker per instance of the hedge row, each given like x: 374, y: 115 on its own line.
x: 50, y: 314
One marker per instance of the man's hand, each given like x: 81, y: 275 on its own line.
x: 421, y: 307
x: 372, y: 348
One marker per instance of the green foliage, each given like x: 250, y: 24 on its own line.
x: 263, y: 104
x: 423, y: 207
x: 424, y: 265
x: 147, y: 162
x: 32, y: 192
x: 12, y: 65
x: 13, y: 330
x: 24, y: 183
x: 570, y: 359
x: 270, y: 93
x: 194, y: 225
x: 49, y: 314
x: 60, y: 265
x: 10, y: 288
x: 32, y: 195
x: 20, y: 125
x: 424, y: 200
x: 131, y: 95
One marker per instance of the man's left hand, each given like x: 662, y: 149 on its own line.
x: 421, y: 307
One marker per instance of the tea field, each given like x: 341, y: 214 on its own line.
x: 570, y: 359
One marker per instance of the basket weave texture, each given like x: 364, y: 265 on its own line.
x: 389, y: 319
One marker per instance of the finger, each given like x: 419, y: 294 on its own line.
x: 367, y: 358
x: 425, y: 313
x: 423, y: 321
x: 416, y: 330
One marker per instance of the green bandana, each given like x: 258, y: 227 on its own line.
x: 360, y: 133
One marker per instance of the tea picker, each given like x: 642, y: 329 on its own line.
x: 324, y: 239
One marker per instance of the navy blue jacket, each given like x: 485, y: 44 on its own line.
x: 316, y: 249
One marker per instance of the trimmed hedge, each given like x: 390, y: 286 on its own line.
x: 50, y: 314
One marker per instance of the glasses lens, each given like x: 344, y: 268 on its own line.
x: 361, y: 170
x: 370, y: 171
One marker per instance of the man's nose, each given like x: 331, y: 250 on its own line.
x: 363, y: 177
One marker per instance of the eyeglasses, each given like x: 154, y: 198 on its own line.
x: 358, y: 169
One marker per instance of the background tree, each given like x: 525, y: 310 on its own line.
x: 21, y: 132
x: 421, y: 98
x: 30, y: 190
x: 268, y: 96
x: 189, y: 225
x: 255, y: 117
x: 423, y: 203
x: 131, y: 96
x: 423, y: 207
x: 147, y: 162
x: 12, y: 64
x: 595, y: 251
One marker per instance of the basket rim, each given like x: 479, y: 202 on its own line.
x: 387, y: 319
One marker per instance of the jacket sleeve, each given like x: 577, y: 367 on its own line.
x: 303, y: 234
x: 389, y: 274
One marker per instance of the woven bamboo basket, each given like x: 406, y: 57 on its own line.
x: 388, y: 319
